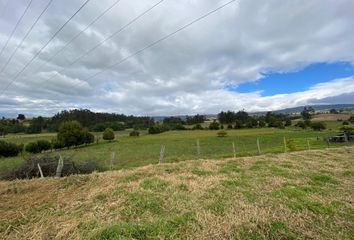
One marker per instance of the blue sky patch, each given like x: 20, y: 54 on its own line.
x: 278, y: 83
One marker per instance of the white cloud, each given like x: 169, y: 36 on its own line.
x: 185, y: 74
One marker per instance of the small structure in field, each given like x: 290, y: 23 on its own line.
x: 346, y: 136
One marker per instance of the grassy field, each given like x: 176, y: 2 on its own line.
x: 297, y: 195
x: 179, y: 145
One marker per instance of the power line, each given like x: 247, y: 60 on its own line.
x: 26, y: 35
x: 114, y: 34
x: 44, y: 46
x: 79, y: 34
x: 161, y: 39
x: 16, y: 26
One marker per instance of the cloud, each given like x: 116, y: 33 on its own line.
x: 186, y: 74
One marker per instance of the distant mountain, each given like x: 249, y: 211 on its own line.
x: 317, y: 107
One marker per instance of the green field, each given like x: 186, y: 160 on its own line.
x: 179, y: 145
x: 297, y: 195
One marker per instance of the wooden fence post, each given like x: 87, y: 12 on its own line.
x: 40, y: 170
x: 112, y: 161
x: 162, y: 153
x: 60, y: 166
x: 284, y: 144
x: 258, y: 146
x: 234, y: 149
x: 308, y: 144
x: 198, y: 149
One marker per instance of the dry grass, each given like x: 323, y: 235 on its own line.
x: 299, y: 195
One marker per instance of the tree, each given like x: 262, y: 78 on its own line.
x: 333, y: 111
x: 195, y: 119
x: 287, y: 122
x: 70, y: 134
x: 21, y: 117
x: 307, y: 113
x: 108, y: 134
x: 214, y: 125
x: 318, y: 126
x: 134, y: 133
x: 87, y: 137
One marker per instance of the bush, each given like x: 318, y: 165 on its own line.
x: 345, y: 123
x: 287, y: 122
x: 28, y: 169
x: 197, y: 127
x: 44, y: 145
x: 301, y: 124
x: 9, y: 149
x: 222, y: 133
x: 108, y: 134
x: 32, y: 147
x: 318, y: 126
x: 157, y: 129
x: 70, y: 133
x: 347, y: 128
x: 134, y: 133
x: 87, y: 137
x: 57, y: 144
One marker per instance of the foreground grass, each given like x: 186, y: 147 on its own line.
x: 298, y: 195
x: 181, y: 145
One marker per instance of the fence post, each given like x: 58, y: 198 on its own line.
x: 284, y: 144
x: 258, y: 146
x: 198, y: 149
x: 162, y: 152
x: 60, y: 166
x: 112, y: 161
x: 40, y: 170
x: 308, y: 144
x: 234, y: 149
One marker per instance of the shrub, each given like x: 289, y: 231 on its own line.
x: 9, y: 149
x: 87, y: 137
x: 134, y: 133
x: 32, y: 147
x: 44, y: 145
x: 300, y: 124
x: 222, y: 133
x: 157, y: 129
x: 229, y: 126
x: 318, y: 126
x: 287, y: 122
x: 347, y: 128
x: 197, y: 127
x: 70, y: 133
x: 345, y: 123
x: 29, y: 169
x: 57, y: 144
x: 108, y: 134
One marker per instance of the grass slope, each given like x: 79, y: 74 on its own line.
x: 181, y: 145
x: 298, y: 195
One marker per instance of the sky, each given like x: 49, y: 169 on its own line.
x: 255, y: 55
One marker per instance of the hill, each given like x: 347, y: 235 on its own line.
x: 298, y: 195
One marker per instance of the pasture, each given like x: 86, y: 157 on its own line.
x: 297, y: 195
x: 180, y: 145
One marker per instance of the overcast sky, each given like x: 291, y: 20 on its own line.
x: 199, y: 70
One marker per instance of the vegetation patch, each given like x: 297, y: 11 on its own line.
x: 154, y: 184
x: 171, y: 228
x: 201, y: 173
x: 140, y: 203
x: 322, y: 179
x: 229, y: 167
